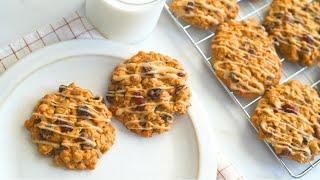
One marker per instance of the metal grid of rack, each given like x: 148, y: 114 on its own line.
x: 202, y: 39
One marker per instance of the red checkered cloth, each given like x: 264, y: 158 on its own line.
x: 76, y: 26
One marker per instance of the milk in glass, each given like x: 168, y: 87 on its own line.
x: 127, y: 21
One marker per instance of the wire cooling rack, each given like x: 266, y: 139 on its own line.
x: 202, y: 40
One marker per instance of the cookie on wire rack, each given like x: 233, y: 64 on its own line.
x: 147, y: 91
x: 205, y: 13
x: 72, y: 126
x: 288, y: 118
x: 295, y: 27
x: 244, y: 58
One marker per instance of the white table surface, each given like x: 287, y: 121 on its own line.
x: 19, y: 17
x: 233, y: 133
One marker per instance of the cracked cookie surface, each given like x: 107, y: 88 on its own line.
x: 146, y: 91
x: 72, y: 126
x: 244, y: 58
x: 288, y: 118
x: 295, y: 27
x: 205, y: 13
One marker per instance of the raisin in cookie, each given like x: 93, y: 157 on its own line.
x: 72, y: 126
x: 288, y: 118
x: 295, y: 26
x: 205, y: 13
x: 146, y: 91
x: 244, y: 58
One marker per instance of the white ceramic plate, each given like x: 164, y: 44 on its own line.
x: 183, y: 152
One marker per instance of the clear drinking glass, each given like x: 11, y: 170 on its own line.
x: 128, y: 21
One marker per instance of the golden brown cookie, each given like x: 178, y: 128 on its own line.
x: 205, y: 13
x: 295, y: 27
x: 72, y: 126
x: 288, y: 118
x: 244, y: 58
x: 146, y: 92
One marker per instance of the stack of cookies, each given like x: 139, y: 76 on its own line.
x: 245, y: 60
x: 145, y: 93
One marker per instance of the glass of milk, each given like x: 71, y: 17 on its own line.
x: 128, y: 21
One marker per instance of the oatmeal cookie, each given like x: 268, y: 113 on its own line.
x: 295, y: 27
x: 288, y: 118
x: 146, y: 91
x: 72, y: 126
x: 205, y: 13
x: 244, y: 58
